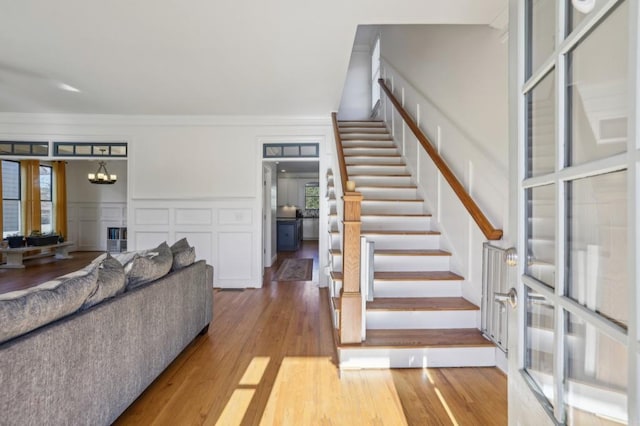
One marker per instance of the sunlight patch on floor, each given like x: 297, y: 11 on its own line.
x: 310, y: 390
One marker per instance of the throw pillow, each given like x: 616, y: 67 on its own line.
x: 26, y: 310
x: 150, y: 266
x: 111, y: 281
x: 179, y: 245
x: 183, y: 258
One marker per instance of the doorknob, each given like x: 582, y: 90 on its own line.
x: 511, y: 297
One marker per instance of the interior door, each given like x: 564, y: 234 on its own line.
x: 574, y: 91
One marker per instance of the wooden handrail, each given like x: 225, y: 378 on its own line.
x: 485, y: 226
x: 343, y: 166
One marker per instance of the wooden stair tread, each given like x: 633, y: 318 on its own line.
x: 390, y: 215
x: 382, y: 186
x: 408, y: 276
x: 376, y: 232
x: 396, y: 200
x: 377, y: 165
x: 431, y: 338
x: 421, y: 304
x: 403, y: 252
x: 371, y: 155
x: 351, y: 175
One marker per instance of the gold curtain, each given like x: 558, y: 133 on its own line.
x: 1, y: 203
x: 31, y: 212
x: 60, y: 197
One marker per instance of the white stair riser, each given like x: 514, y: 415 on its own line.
x: 390, y: 207
x: 417, y: 288
x: 397, y: 242
x: 383, y: 193
x: 349, y: 161
x: 387, y: 320
x: 362, y: 358
x: 391, y: 150
x: 388, y: 193
x: 410, y: 288
x: 363, y: 143
x: 380, y: 180
x: 376, y: 170
x: 360, y: 124
x: 364, y: 136
x: 399, y: 223
x: 402, y: 263
x: 389, y: 223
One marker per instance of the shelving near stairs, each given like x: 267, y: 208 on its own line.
x: 418, y: 317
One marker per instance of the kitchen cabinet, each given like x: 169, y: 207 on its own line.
x: 310, y: 228
x: 289, y: 234
x: 289, y: 192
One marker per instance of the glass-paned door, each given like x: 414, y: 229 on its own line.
x: 577, y: 94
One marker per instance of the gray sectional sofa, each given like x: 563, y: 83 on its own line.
x: 88, y: 367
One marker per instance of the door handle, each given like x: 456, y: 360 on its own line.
x: 511, y: 297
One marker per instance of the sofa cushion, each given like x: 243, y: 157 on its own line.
x: 26, y: 310
x: 111, y: 281
x: 149, y: 266
x: 183, y: 258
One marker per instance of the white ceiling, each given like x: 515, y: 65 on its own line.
x: 242, y: 57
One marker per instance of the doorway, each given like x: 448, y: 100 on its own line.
x: 291, y: 201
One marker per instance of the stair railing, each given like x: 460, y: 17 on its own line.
x: 351, y: 300
x: 474, y: 210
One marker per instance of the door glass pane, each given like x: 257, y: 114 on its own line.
x: 539, y: 336
x: 596, y: 376
x: 598, y: 91
x: 541, y: 40
x: 541, y: 234
x: 598, y: 243
x: 576, y: 15
x: 541, y: 126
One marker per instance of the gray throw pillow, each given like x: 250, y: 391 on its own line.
x: 150, y: 266
x: 183, y: 258
x: 26, y: 310
x: 111, y: 281
x: 179, y: 246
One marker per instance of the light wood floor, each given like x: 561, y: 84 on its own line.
x: 268, y: 359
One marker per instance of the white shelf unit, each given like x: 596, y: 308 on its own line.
x: 116, y: 239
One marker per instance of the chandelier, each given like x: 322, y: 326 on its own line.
x: 102, y: 176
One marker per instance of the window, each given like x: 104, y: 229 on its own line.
x: 312, y: 196
x: 10, y: 198
x: 46, y: 199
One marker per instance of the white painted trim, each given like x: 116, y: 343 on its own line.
x: 162, y: 120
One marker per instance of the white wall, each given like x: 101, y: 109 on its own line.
x: 356, y: 93
x: 453, y: 81
x: 80, y: 190
x: 462, y: 69
x: 199, y: 177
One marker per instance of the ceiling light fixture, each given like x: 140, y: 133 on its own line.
x: 68, y: 88
x: 102, y: 176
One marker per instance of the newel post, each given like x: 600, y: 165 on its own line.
x: 351, y: 298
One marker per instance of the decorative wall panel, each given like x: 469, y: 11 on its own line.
x: 234, y: 251
x: 193, y: 217
x: 152, y: 216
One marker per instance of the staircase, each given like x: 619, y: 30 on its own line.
x: 418, y: 317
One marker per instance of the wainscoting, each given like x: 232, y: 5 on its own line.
x: 225, y: 232
x: 87, y: 223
